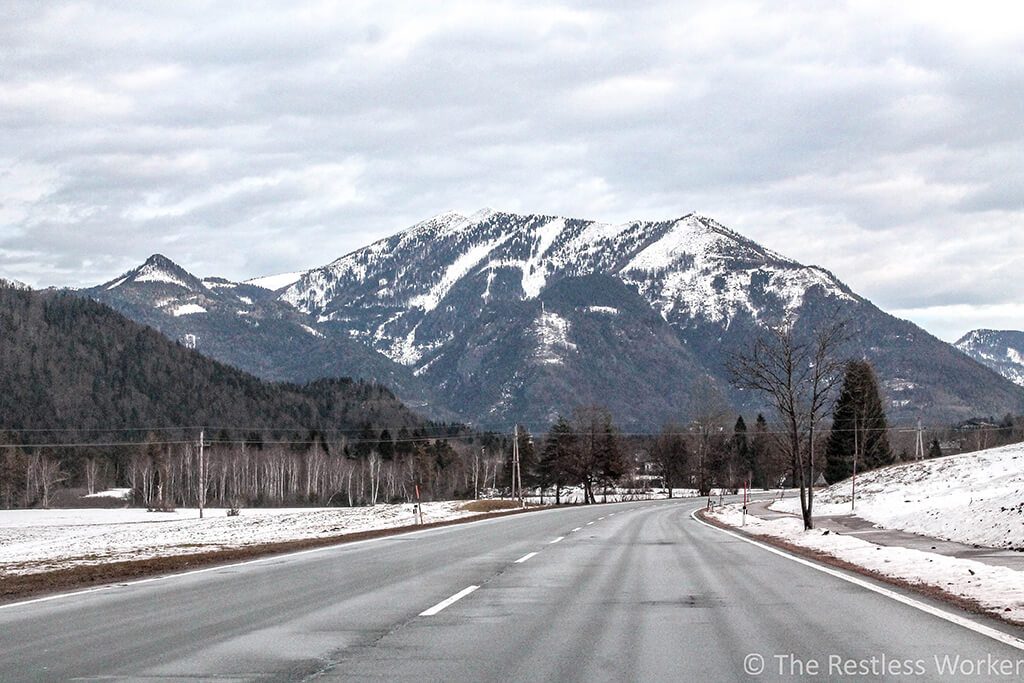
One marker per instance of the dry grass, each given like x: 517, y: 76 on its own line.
x: 490, y: 505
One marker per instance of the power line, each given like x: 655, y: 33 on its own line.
x: 470, y: 436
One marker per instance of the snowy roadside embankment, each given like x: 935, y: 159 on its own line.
x: 45, y: 540
x: 999, y: 590
x: 974, y: 498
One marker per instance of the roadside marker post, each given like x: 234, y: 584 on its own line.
x: 418, y: 508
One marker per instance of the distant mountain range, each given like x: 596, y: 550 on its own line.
x: 1001, y: 350
x: 500, y: 317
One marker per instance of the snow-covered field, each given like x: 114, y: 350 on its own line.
x: 974, y: 498
x: 44, y: 540
x: 998, y: 589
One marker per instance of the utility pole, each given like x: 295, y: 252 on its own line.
x: 202, y: 473
x: 919, y: 447
x: 517, y: 479
x: 476, y: 474
x: 856, y: 448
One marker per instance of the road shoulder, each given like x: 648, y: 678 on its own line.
x: 992, y: 591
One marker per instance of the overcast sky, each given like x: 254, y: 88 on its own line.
x: 884, y: 141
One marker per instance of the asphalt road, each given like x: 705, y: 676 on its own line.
x: 634, y: 591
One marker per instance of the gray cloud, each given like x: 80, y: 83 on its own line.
x: 241, y: 139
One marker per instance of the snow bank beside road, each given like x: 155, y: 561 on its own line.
x: 974, y: 498
x: 44, y: 540
x: 1000, y: 590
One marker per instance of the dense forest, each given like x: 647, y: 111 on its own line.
x: 90, y: 399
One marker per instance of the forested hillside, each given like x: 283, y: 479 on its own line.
x: 75, y: 372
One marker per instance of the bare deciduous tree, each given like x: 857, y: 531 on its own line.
x: 797, y: 374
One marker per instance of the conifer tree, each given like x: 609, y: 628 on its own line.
x: 859, y: 425
x: 742, y: 454
x: 556, y: 459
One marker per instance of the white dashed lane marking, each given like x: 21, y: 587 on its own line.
x: 448, y: 601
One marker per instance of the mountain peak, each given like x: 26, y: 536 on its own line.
x: 158, y: 269
x: 1000, y: 350
x: 160, y: 261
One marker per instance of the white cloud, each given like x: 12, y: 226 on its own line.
x: 881, y: 141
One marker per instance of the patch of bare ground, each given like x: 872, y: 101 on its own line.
x: 927, y: 590
x: 15, y: 587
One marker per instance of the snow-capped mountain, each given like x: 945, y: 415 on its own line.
x: 505, y: 317
x: 690, y: 270
x: 1001, y: 350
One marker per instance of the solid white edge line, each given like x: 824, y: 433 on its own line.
x: 524, y: 558
x: 556, y: 540
x: 981, y: 629
x: 447, y: 602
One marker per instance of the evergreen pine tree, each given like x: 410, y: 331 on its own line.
x: 556, y: 459
x: 858, y: 425
x: 934, y: 449
x: 761, y: 454
x: 742, y: 453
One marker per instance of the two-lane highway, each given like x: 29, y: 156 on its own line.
x: 634, y: 591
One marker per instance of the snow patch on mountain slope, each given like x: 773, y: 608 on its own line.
x: 275, y: 282
x: 486, y: 295
x: 118, y: 283
x: 535, y: 267
x: 153, y: 273
x: 426, y: 366
x: 187, y: 309
x: 455, y: 272
x: 604, y: 310
x: 404, y: 350
x: 552, y: 333
x: 313, y: 332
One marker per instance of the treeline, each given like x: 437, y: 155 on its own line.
x: 586, y: 450
x: 364, y: 469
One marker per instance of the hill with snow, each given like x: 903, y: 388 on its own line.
x: 973, y: 498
